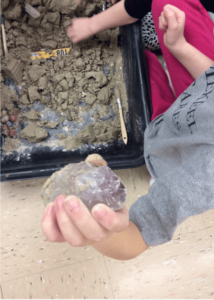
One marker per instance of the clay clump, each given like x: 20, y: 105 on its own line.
x: 33, y: 133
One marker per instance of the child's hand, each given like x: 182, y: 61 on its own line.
x: 68, y: 219
x: 80, y: 29
x: 112, y: 1
x: 172, y: 21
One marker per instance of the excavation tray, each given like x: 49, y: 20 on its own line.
x: 43, y: 161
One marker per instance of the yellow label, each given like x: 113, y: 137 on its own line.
x: 43, y: 54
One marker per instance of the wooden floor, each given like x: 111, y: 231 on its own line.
x: 31, y: 267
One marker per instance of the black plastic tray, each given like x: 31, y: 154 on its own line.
x: 44, y: 162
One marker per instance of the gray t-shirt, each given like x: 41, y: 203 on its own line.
x: 179, y: 154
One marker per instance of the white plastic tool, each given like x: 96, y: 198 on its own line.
x: 123, y: 126
x: 3, y: 34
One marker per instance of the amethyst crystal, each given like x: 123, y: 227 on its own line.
x: 92, y: 184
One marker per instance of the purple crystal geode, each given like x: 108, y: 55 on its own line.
x: 92, y: 184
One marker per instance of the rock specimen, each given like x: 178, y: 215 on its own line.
x: 92, y: 184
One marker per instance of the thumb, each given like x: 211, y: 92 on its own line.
x: 170, y: 17
x: 115, y: 221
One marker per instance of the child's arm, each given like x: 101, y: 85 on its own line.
x: 172, y: 21
x: 109, y: 232
x: 83, y: 28
x: 125, y: 245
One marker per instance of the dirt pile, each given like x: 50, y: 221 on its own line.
x: 79, y: 80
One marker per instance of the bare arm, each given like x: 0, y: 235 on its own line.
x: 83, y: 28
x: 124, y: 245
x: 113, y: 17
x: 192, y: 59
x: 172, y: 21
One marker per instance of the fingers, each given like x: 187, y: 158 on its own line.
x: 179, y: 14
x: 83, y: 220
x: 171, y: 17
x: 174, y: 16
x: 96, y: 159
x: 115, y: 221
x: 79, y: 30
x: 68, y: 219
x: 113, y: 1
x: 70, y: 31
x: 69, y: 231
x: 49, y: 225
x: 163, y: 22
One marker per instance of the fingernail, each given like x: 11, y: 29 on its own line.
x: 60, y: 201
x: 49, y: 209
x: 99, y: 214
x: 72, y: 203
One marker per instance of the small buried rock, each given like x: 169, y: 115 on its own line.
x: 33, y: 133
x: 5, y: 119
x: 92, y: 184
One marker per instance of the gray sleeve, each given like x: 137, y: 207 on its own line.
x: 170, y: 201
